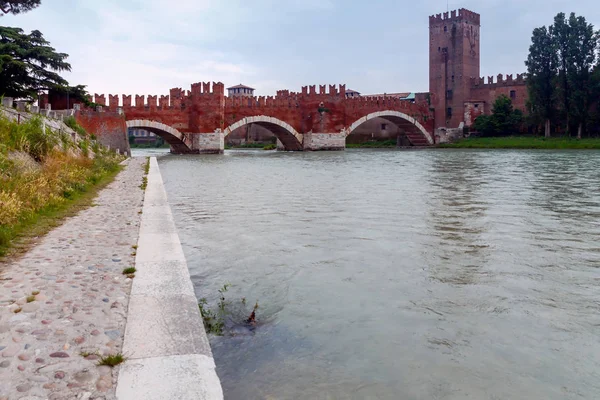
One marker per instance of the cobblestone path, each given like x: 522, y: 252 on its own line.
x: 72, y: 298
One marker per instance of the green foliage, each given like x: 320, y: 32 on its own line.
x: 225, y: 315
x: 561, y: 78
x: 525, y: 142
x: 505, y: 120
x: 18, y: 6
x: 270, y: 146
x: 129, y: 271
x: 71, y: 122
x: 28, y: 64
x: 541, y: 70
x: 41, y: 177
x: 29, y: 137
x: 112, y: 360
x: 372, y: 144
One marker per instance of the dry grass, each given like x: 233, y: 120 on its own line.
x: 45, y: 177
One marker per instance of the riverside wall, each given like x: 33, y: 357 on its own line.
x: 165, y: 341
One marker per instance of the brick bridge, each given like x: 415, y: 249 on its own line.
x: 197, y: 121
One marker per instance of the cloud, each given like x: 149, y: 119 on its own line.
x: 149, y: 46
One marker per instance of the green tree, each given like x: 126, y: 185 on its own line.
x: 561, y: 39
x: 583, y: 43
x: 18, y: 6
x: 504, y: 120
x: 541, y: 72
x: 28, y: 64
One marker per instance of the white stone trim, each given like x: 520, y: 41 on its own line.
x: 145, y: 123
x: 390, y: 113
x: 167, y: 350
x: 263, y: 118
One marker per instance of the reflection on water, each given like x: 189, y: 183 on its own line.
x: 399, y: 275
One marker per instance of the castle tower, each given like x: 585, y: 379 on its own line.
x: 453, y: 60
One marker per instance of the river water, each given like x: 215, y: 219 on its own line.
x: 438, y: 274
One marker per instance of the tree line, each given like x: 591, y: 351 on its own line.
x: 563, y: 76
x: 563, y: 83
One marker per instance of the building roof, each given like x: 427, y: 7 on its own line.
x: 402, y: 95
x: 351, y: 91
x: 240, y: 86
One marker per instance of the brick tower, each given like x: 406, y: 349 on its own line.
x: 453, y: 60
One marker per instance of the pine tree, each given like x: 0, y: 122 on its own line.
x: 18, y: 6
x: 28, y: 64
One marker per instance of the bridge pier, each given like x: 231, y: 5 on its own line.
x: 324, y: 141
x: 208, y: 143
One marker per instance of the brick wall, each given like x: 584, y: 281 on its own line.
x: 109, y: 128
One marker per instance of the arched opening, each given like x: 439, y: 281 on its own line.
x: 284, y: 132
x: 170, y: 135
x: 387, y: 127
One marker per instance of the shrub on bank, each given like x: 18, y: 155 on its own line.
x: 524, y: 142
x: 41, y: 171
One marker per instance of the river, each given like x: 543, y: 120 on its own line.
x: 435, y: 274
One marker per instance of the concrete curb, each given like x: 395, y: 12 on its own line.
x: 168, y: 352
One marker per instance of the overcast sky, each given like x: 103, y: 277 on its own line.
x: 148, y: 46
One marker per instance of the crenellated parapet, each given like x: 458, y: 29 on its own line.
x: 113, y: 101
x: 500, y: 81
x: 99, y: 99
x: 455, y: 16
x: 311, y: 91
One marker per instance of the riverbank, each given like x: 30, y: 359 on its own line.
x: 63, y: 305
x: 524, y: 142
x: 372, y: 145
x: 46, y: 174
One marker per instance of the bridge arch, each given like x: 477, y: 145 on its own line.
x: 415, y: 132
x: 171, y: 135
x: 287, y: 135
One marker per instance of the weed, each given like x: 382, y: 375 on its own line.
x: 135, y: 246
x: 270, y: 146
x: 85, y: 354
x: 130, y: 270
x: 226, y: 315
x: 18, y: 310
x: 144, y: 184
x: 112, y: 360
x: 30, y: 299
x: 147, y: 166
x: 35, y: 292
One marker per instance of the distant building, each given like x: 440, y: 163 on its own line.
x: 350, y: 94
x: 240, y: 91
x: 141, y: 135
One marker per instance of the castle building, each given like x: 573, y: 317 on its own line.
x: 240, y: 91
x: 458, y: 94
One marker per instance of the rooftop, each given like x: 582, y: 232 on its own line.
x: 240, y: 86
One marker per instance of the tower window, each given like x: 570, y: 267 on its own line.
x: 445, y: 29
x: 476, y: 105
x: 452, y: 78
x: 513, y: 94
x: 439, y: 49
x: 449, y: 112
x: 449, y: 94
x: 383, y: 127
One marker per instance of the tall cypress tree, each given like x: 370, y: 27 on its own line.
x: 541, y: 72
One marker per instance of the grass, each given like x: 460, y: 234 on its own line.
x: 270, y: 146
x: 112, y: 360
x: 30, y: 299
x: 85, y: 354
x: 35, y: 292
x: 18, y: 310
x: 372, y: 145
x: 130, y: 270
x: 45, y: 177
x: 524, y: 142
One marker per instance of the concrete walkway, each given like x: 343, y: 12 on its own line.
x: 80, y: 302
x: 169, y: 353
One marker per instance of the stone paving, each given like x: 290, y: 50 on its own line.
x: 64, y: 303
